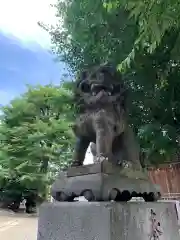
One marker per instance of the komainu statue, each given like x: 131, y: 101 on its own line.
x: 117, y: 174
x: 101, y: 97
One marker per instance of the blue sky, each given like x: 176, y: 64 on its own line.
x: 24, y: 47
x: 24, y: 56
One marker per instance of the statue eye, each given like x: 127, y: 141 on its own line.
x: 85, y: 87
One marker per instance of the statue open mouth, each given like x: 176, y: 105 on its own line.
x: 99, y: 89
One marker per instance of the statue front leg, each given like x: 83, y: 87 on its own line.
x: 93, y: 152
x: 103, y: 145
x: 81, y: 146
x: 103, y: 136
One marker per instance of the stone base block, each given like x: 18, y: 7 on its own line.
x: 104, y: 182
x: 108, y: 221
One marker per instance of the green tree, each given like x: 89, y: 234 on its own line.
x: 154, y: 20
x: 36, y: 137
x: 90, y: 35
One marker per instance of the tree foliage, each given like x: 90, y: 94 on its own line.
x: 36, y: 137
x: 154, y: 19
x: 90, y: 33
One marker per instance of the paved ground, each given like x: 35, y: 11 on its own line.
x: 17, y: 226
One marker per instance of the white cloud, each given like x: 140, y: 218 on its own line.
x: 20, y: 17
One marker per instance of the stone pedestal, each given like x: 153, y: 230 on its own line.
x: 108, y: 221
x: 104, y: 181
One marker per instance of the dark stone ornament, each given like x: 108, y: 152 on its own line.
x: 116, y: 174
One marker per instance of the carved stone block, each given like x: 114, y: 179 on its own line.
x: 104, y: 182
x: 108, y: 221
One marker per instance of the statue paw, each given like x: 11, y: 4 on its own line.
x: 102, y: 158
x: 76, y: 164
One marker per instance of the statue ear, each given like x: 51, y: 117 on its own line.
x: 117, y: 76
x: 119, y: 88
x: 82, y: 76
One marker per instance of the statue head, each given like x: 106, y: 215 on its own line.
x: 99, y: 86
